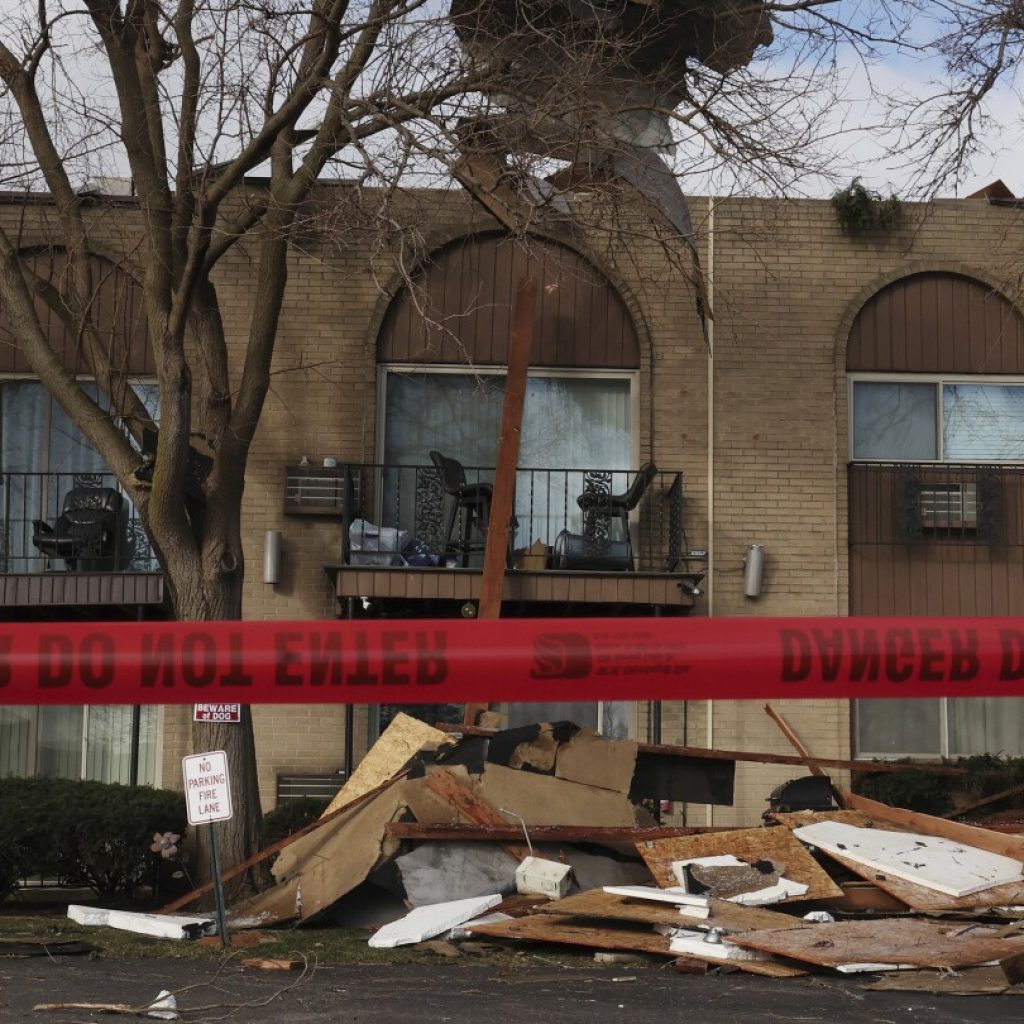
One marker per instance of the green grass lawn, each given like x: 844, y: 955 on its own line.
x: 321, y: 945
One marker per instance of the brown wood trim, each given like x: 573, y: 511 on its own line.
x: 38, y: 590
x: 937, y: 323
x: 750, y: 755
x: 669, y: 589
x: 459, y: 307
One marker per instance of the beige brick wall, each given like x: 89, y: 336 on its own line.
x: 786, y: 285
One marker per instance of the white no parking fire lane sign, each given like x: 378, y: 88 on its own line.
x: 207, y: 787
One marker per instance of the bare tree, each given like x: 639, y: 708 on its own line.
x: 980, y: 44
x: 516, y: 100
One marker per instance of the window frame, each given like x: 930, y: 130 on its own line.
x: 937, y: 380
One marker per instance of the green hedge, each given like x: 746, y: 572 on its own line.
x: 291, y: 815
x: 90, y: 833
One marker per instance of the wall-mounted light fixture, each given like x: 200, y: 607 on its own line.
x: 753, y: 570
x: 272, y: 544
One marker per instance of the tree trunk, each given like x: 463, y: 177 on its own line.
x: 242, y: 834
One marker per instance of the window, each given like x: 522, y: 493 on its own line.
x: 572, y: 422
x: 937, y: 420
x: 42, y: 456
x: 926, y: 418
x: 78, y: 742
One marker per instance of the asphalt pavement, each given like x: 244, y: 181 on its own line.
x: 464, y: 994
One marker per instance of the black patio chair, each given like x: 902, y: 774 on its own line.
x: 90, y: 532
x: 470, y: 508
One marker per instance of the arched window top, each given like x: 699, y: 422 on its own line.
x: 937, y: 323
x: 117, y: 311
x: 458, y: 308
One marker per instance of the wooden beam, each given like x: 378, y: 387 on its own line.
x: 927, y: 824
x: 794, y: 740
x: 503, y: 497
x: 540, y: 833
x: 994, y: 798
x: 750, y: 755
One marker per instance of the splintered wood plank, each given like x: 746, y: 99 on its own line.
x: 898, y: 941
x: 572, y: 931
x: 797, y: 819
x: 730, y: 916
x: 927, y: 901
x: 748, y: 844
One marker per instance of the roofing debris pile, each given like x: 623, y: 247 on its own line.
x: 539, y: 835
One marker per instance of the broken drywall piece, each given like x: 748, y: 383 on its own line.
x: 161, y: 926
x: 442, y: 872
x: 727, y: 877
x: 943, y: 865
x: 783, y: 889
x: 545, y: 800
x: 164, y: 1007
x: 677, y: 897
x: 404, y: 737
x: 594, y: 760
x: 426, y: 922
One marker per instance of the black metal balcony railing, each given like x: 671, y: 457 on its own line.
x: 913, y: 503
x: 28, y: 498
x: 401, y: 515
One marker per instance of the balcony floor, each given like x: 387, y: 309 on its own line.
x: 547, y: 586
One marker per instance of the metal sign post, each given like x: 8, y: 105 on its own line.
x: 208, y: 800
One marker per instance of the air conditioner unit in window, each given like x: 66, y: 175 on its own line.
x: 949, y: 506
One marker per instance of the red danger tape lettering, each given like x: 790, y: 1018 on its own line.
x: 511, y: 660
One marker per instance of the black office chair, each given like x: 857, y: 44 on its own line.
x: 596, y: 547
x: 91, y: 528
x: 470, y: 507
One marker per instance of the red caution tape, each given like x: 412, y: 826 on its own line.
x: 410, y: 662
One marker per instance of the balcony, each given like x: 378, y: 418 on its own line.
x: 405, y: 539
x: 936, y: 539
x: 111, y: 566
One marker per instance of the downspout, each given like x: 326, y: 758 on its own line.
x: 709, y: 277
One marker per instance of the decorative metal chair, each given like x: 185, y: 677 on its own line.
x: 91, y: 529
x: 470, y: 508
x: 596, y: 548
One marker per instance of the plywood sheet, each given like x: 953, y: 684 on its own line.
x: 545, y: 800
x: 404, y: 737
x: 729, y: 916
x: 975, y: 981
x: 748, y: 844
x: 943, y: 865
x: 902, y: 941
x: 927, y: 901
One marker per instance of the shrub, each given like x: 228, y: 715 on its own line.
x: 94, y: 833
x: 858, y: 209
x: 291, y: 815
